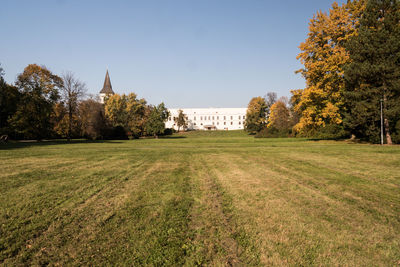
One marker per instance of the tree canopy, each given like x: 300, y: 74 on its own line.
x: 39, y: 90
x: 72, y: 91
x: 181, y: 120
x: 156, y: 122
x: 9, y: 97
x: 279, y: 117
x: 128, y: 112
x: 324, y: 56
x: 256, y: 115
x: 373, y: 75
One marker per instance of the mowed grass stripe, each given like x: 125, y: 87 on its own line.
x: 52, y: 198
x: 218, y: 239
x: 363, y: 191
x: 151, y: 228
x: 148, y: 204
x: 306, y: 224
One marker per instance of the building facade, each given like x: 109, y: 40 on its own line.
x: 210, y: 118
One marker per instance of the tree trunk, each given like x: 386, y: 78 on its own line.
x: 386, y: 121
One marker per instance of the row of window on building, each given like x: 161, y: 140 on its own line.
x: 213, y: 118
x: 213, y: 123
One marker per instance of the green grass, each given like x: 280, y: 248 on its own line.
x: 200, y: 198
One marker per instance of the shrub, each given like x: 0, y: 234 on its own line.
x: 272, y: 132
x: 169, y: 131
x: 329, y: 132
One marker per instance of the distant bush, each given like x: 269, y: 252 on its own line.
x: 329, y: 132
x: 169, y: 131
x: 272, y: 132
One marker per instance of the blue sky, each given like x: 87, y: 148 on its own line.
x: 186, y: 53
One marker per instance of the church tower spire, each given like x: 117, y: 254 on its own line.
x: 107, y: 88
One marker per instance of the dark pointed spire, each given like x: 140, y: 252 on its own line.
x: 107, y: 88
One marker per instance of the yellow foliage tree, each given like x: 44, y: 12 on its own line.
x: 279, y: 116
x: 115, y: 109
x: 138, y: 112
x: 127, y: 111
x: 324, y: 57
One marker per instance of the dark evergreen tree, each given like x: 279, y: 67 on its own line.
x: 9, y: 97
x: 374, y: 72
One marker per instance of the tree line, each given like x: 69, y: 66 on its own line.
x: 351, y: 61
x: 41, y: 105
x: 269, y: 116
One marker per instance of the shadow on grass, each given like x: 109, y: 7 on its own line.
x: 325, y: 139
x: 346, y: 140
x: 33, y: 143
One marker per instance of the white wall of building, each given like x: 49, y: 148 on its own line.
x: 102, y: 96
x: 200, y: 118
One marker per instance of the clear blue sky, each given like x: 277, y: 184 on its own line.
x: 186, y: 53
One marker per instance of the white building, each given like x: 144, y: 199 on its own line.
x: 210, y: 118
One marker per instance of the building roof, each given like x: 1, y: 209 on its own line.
x: 107, y: 88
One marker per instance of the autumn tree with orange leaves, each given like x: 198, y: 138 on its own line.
x: 324, y: 57
x: 279, y: 116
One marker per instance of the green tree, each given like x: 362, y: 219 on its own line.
x: 39, y: 90
x: 138, y: 113
x: 9, y: 97
x: 156, y: 122
x: 256, y: 115
x: 72, y: 92
x: 374, y: 72
x: 181, y: 120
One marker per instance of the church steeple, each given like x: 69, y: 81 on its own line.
x: 107, y: 88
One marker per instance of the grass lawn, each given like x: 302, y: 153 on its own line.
x: 200, y: 198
